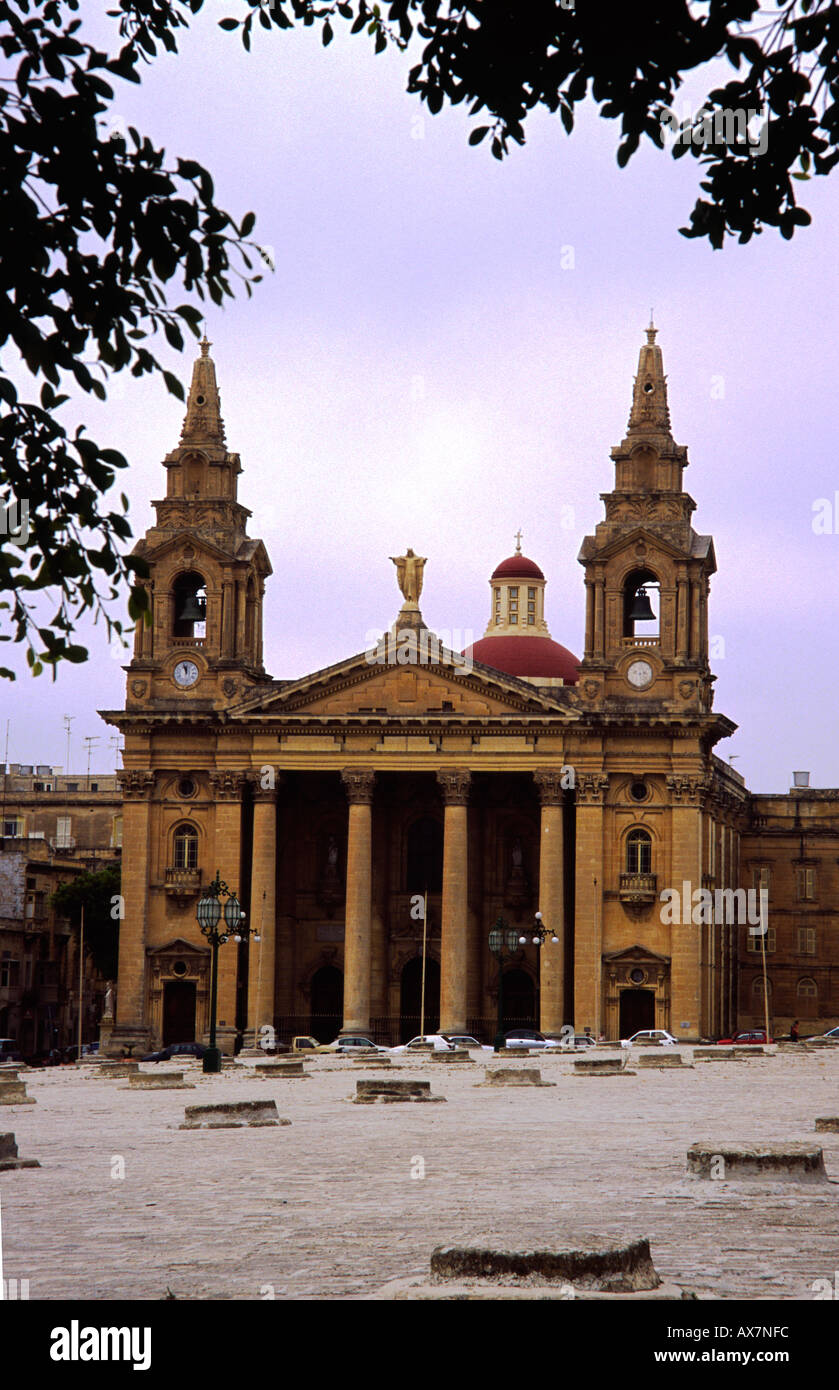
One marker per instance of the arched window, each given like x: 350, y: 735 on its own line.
x: 425, y: 856
x: 639, y: 852
x: 757, y: 987
x: 189, y: 608
x: 807, y: 988
x: 186, y: 847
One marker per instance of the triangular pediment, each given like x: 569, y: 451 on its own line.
x: 178, y: 946
x: 245, y: 551
x: 443, y: 685
x: 628, y: 539
x: 635, y: 953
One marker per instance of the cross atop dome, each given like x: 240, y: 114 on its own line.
x: 518, y: 541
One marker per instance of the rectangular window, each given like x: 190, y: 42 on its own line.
x: 753, y: 943
x: 514, y: 591
x: 805, y: 876
x: 514, y: 617
x: 531, y: 619
x: 531, y: 593
x: 806, y: 941
x: 116, y: 833
x: 9, y: 974
x: 63, y: 826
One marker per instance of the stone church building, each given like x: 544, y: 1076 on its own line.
x: 511, y: 779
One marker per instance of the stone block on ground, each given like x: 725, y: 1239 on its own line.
x: 117, y: 1070
x: 242, y: 1114
x: 280, y: 1070
x: 600, y: 1066
x: 14, y: 1093
x: 579, y: 1266
x: 9, y: 1155
x: 386, y: 1092
x: 828, y: 1124
x: 727, y: 1162
x: 159, y: 1081
x: 462, y: 1055
x: 514, y: 1076
x: 660, y: 1060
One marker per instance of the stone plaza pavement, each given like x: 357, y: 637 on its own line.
x: 329, y: 1206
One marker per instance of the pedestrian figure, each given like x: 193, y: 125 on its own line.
x: 793, y: 1032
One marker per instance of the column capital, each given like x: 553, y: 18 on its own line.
x: 264, y: 794
x: 454, y: 784
x: 358, y: 784
x: 135, y: 785
x: 227, y: 786
x: 549, y: 785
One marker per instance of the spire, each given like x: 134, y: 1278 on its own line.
x: 203, y: 423
x: 650, y: 411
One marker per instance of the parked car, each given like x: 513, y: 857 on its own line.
x: 435, y: 1041
x: 649, y: 1036
x: 832, y: 1033
x: 752, y: 1035
x: 466, y: 1040
x: 528, y: 1037
x: 581, y: 1041
x: 8, y: 1050
x: 191, y: 1049
x: 352, y: 1043
x: 308, y: 1044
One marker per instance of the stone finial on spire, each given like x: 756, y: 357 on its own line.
x: 650, y: 411
x: 203, y: 423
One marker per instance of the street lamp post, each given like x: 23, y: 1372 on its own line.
x: 503, y: 943
x: 209, y: 913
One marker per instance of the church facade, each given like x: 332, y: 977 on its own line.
x: 392, y: 807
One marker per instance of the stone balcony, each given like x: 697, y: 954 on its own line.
x: 636, y: 889
x: 183, y: 883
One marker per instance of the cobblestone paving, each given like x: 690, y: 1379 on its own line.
x: 328, y: 1207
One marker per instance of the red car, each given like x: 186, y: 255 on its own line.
x: 754, y: 1035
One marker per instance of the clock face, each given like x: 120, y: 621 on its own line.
x: 185, y: 673
x: 640, y: 673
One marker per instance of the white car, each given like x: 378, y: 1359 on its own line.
x: 354, y: 1043
x: 426, y: 1040
x: 650, y: 1036
x: 466, y: 1040
x: 528, y: 1037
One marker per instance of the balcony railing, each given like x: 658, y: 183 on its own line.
x: 638, y: 888
x: 183, y: 882
x: 641, y: 641
x: 62, y: 843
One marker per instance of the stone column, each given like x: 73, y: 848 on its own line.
x: 682, y: 620
x: 551, y: 904
x: 227, y: 618
x: 358, y: 920
x: 588, y: 902
x: 589, y: 618
x: 455, y: 900
x: 599, y: 615
x: 226, y: 789
x: 132, y: 1024
x: 263, y: 918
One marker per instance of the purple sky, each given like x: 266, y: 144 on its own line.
x: 423, y: 370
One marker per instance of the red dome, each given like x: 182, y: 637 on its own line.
x: 518, y: 567
x: 526, y: 656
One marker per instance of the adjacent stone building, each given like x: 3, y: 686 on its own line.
x: 53, y: 826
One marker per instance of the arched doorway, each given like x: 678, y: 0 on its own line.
x: 410, y: 994
x: 519, y: 1002
x: 326, y: 1004
x: 178, y: 1011
x: 637, y: 1011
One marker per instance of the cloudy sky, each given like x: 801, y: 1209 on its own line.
x: 445, y: 353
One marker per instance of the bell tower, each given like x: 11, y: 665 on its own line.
x: 647, y: 572
x: 207, y: 576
